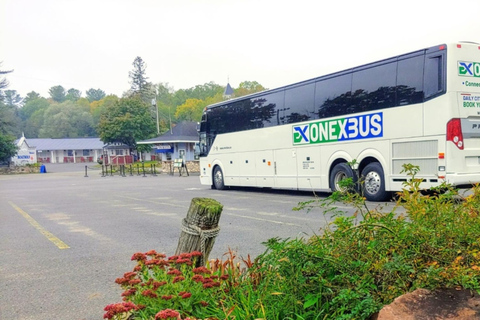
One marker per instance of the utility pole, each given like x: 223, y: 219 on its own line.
x: 154, y: 104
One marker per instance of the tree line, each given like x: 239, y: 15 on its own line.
x: 66, y: 113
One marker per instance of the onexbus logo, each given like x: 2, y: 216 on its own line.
x: 351, y: 128
x: 469, y: 69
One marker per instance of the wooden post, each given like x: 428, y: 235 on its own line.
x: 200, y: 227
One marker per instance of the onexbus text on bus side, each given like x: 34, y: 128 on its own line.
x: 343, y: 129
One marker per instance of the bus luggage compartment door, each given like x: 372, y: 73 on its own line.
x: 285, y: 168
x: 246, y: 165
x: 265, y: 167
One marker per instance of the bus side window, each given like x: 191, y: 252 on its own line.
x: 410, y: 80
x: 333, y: 95
x: 299, y: 104
x: 434, y: 81
x: 373, y: 88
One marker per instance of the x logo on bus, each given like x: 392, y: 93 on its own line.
x: 302, y: 131
x: 469, y: 69
x: 465, y: 67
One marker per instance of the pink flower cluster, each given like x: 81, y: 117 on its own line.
x: 151, y: 264
x: 167, y: 314
x: 119, y: 308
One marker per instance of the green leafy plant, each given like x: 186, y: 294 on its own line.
x: 355, y: 265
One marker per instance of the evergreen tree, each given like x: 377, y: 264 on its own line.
x: 57, y: 93
x: 12, y: 99
x: 95, y: 94
x: 3, y: 82
x: 138, y: 78
x: 32, y: 95
x: 73, y: 94
x: 8, y: 125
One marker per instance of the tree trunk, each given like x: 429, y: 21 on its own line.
x: 200, y: 227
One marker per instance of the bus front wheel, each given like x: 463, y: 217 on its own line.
x: 341, y: 171
x: 374, y: 182
x: 218, y: 181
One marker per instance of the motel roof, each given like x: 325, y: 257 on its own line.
x: 66, y: 144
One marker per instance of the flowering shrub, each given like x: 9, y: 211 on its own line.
x: 171, y: 288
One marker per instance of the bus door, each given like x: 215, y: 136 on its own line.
x: 285, y: 168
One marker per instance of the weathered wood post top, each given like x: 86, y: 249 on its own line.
x: 200, y: 227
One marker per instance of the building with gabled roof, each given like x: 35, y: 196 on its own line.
x: 52, y: 150
x: 26, y: 154
x: 177, y: 143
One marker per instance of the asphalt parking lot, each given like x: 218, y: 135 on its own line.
x: 65, y: 238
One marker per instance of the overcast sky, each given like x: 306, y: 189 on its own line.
x: 85, y: 44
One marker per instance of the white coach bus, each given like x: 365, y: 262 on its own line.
x: 421, y: 108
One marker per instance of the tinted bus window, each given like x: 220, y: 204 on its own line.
x: 299, y: 104
x: 373, y: 88
x: 216, y: 120
x: 410, y: 81
x: 240, y: 116
x: 332, y: 96
x: 265, y: 108
x: 433, y: 79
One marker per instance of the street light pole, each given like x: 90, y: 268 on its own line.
x: 154, y: 104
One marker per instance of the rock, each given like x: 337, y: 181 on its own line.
x: 440, y: 304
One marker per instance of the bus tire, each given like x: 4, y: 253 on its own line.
x: 218, y: 181
x: 374, y: 183
x: 341, y: 171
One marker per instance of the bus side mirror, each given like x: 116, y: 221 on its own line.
x: 196, y: 150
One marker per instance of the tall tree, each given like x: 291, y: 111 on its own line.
x: 57, y: 93
x: 12, y: 98
x: 138, y: 77
x: 73, y: 94
x: 138, y: 81
x: 8, y: 125
x: 3, y: 81
x: 127, y: 121
x: 32, y: 95
x: 95, y: 94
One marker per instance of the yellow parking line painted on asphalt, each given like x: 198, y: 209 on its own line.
x: 59, y: 243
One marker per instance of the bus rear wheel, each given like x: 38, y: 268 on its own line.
x: 341, y: 171
x: 218, y: 181
x: 374, y: 182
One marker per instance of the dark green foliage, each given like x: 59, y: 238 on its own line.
x: 57, y: 93
x: 7, y: 148
x: 95, y: 94
x: 126, y: 121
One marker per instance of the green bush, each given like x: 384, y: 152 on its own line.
x: 349, y: 270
